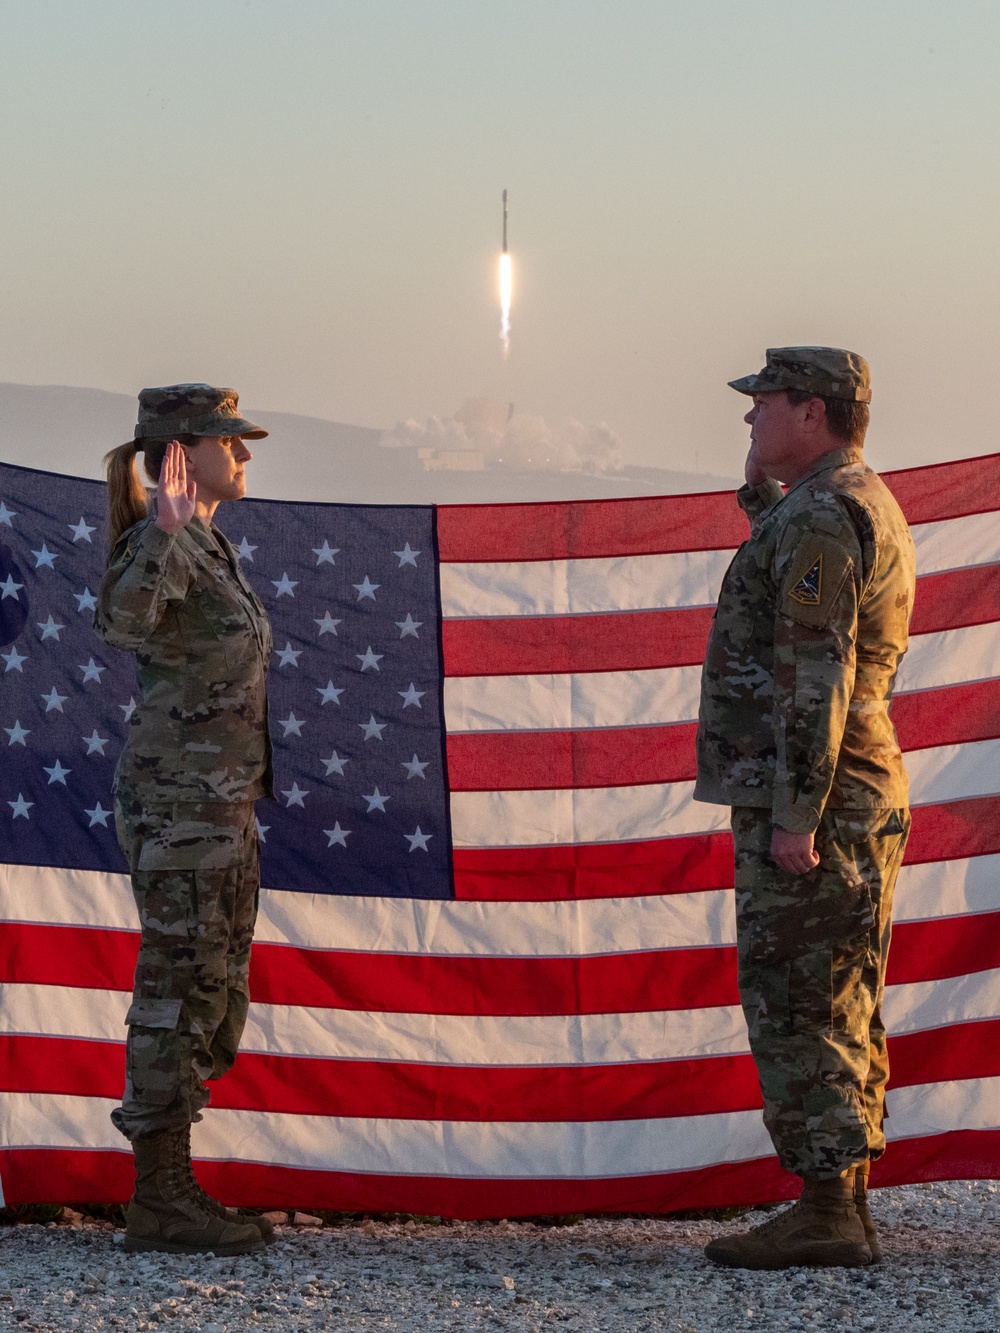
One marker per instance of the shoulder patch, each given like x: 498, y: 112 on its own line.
x: 809, y: 589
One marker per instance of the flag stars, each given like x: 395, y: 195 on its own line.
x: 366, y: 589
x: 91, y: 671
x: 411, y: 696
x: 17, y: 733
x: 54, y: 700
x: 95, y: 744
x: 289, y: 656
x: 376, y: 801
x: 98, y: 816
x: 262, y: 829
x: 128, y: 709
x: 329, y: 693
x: 297, y: 796
x: 57, y: 773
x: 327, y: 625
x: 369, y: 660
x: 245, y: 550
x: 334, y: 765
x: 6, y: 515
x: 415, y: 768
x: 9, y: 588
x: 292, y: 724
x: 14, y: 660
x: 81, y: 531
x: 406, y: 556
x: 20, y: 807
x: 324, y: 554
x: 45, y: 558
x: 85, y: 601
x: 50, y: 629
x: 408, y: 627
x: 337, y: 836
x: 372, y: 729
x: 285, y: 587
x: 418, y: 841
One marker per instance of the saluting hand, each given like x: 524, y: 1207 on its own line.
x: 175, y: 494
x: 752, y: 471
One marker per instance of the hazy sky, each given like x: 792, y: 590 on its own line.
x: 301, y: 198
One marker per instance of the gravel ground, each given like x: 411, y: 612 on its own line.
x: 942, y: 1244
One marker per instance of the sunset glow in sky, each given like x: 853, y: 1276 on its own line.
x: 303, y: 200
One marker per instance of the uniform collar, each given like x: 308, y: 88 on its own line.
x: 827, y: 462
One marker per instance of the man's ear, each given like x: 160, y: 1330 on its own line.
x: 814, y: 418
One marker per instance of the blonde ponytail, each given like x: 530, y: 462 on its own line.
x: 128, y: 502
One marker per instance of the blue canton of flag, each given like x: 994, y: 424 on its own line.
x: 355, y: 689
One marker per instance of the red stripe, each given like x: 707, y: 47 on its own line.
x: 648, y: 981
x: 89, y: 957
x: 633, y: 756
x: 372, y: 1089
x: 946, y: 490
x: 588, y: 528
x: 539, y: 645
x: 45, y: 1175
x: 594, y: 870
x: 646, y: 640
x: 954, y: 830
x: 956, y: 598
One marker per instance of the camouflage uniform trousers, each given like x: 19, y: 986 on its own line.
x: 812, y: 953
x: 196, y: 883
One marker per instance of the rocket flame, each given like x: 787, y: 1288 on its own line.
x: 506, y: 285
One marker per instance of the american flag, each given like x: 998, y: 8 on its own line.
x: 494, y: 972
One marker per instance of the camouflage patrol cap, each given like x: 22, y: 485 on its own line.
x: 192, y: 409
x: 828, y: 372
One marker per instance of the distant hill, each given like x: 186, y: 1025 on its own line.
x: 63, y: 429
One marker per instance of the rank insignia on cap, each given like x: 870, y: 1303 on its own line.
x: 809, y: 589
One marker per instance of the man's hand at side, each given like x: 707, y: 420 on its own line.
x: 793, y: 852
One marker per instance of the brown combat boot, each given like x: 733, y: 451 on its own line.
x: 821, y: 1230
x: 861, y: 1204
x: 216, y: 1208
x: 163, y: 1215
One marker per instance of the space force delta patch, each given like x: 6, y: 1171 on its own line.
x: 809, y: 589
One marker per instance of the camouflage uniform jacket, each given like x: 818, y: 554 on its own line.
x: 811, y: 624
x: 202, y: 643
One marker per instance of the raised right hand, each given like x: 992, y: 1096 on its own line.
x: 175, y: 494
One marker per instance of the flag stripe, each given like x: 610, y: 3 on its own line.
x: 641, y: 640
x: 491, y: 761
x: 680, y: 522
x: 388, y: 1089
x: 667, y: 978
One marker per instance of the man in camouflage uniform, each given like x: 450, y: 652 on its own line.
x: 196, y: 758
x: 795, y: 735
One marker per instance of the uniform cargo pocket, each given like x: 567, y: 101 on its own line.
x: 154, y: 1013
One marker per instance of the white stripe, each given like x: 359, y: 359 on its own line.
x: 447, y: 1039
x: 585, y: 815
x: 570, y: 1150
x: 467, y: 1149
x: 953, y: 543
x: 442, y: 928
x: 950, y: 657
x: 917, y: 1006
x: 579, y: 587
x: 561, y: 702
x: 953, y: 772
x: 948, y: 888
x: 647, y: 582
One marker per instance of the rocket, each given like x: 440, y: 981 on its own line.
x: 504, y: 251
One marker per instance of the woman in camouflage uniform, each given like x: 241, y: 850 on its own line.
x: 196, y: 758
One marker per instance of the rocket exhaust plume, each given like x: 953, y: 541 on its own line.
x: 506, y: 285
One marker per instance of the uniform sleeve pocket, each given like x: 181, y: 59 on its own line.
x: 854, y: 826
x: 154, y: 1013
x: 812, y: 585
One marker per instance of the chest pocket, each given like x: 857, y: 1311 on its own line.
x: 744, y: 598
x: 217, y: 620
